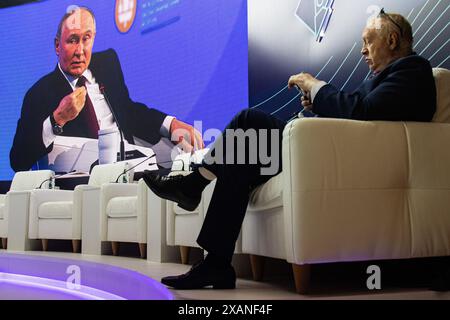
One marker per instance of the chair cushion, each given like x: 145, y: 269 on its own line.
x: 122, y: 207
x: 442, y: 80
x: 2, y: 210
x: 55, y: 210
x: 268, y: 195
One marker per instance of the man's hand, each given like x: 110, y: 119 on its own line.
x: 306, y: 103
x: 185, y: 136
x: 70, y: 106
x: 304, y: 81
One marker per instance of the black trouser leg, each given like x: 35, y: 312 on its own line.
x: 248, y: 119
x: 229, y: 201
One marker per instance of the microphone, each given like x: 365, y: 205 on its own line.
x: 122, y: 144
x: 53, y: 177
x: 129, y: 169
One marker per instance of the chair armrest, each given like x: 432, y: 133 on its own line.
x: 78, y: 204
x: 86, y: 221
x: 17, y: 208
x: 13, y: 192
x: 78, y: 197
x: 348, y: 153
x: 343, y: 193
x: 158, y: 250
x: 40, y: 196
x: 2, y: 198
x: 142, y: 210
x: 15, y: 199
x: 85, y: 187
x: 111, y: 190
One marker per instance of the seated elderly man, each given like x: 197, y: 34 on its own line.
x: 401, y: 89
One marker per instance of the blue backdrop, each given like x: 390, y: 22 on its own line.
x: 189, y: 59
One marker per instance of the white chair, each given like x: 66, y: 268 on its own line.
x: 261, y: 232
x: 56, y: 214
x: 124, y: 214
x: 184, y: 226
x: 180, y: 228
x: 124, y: 210
x: 356, y: 191
x: 22, y: 181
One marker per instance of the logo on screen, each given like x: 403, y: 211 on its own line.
x: 124, y: 14
x: 315, y: 15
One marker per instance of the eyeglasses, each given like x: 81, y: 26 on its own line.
x: 384, y: 14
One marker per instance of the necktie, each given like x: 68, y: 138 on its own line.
x: 88, y: 113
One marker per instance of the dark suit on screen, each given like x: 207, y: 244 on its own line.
x: 135, y: 119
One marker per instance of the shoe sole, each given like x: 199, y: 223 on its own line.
x: 182, y: 205
x: 216, y: 286
x: 224, y: 286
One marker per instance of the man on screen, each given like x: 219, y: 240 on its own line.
x: 70, y: 101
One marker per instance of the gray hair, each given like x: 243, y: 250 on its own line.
x: 401, y: 26
x: 70, y: 11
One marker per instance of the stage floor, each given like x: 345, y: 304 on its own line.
x: 277, y: 286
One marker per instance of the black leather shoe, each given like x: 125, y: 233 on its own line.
x: 173, y: 188
x: 203, y: 275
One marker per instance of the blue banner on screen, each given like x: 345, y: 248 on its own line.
x: 185, y: 58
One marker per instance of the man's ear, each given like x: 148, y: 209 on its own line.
x: 393, y: 41
x: 57, y: 46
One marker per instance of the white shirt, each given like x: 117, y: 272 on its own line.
x: 104, y: 115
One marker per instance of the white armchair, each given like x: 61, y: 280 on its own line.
x: 56, y: 214
x: 170, y: 226
x: 22, y: 181
x: 356, y: 191
x: 124, y: 214
x: 180, y: 227
x: 124, y: 211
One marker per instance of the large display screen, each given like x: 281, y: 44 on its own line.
x: 323, y: 38
x: 185, y: 58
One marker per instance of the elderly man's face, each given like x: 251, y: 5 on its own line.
x: 74, y: 49
x: 375, y: 50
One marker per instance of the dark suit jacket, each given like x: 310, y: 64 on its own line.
x: 404, y: 91
x: 45, y: 95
